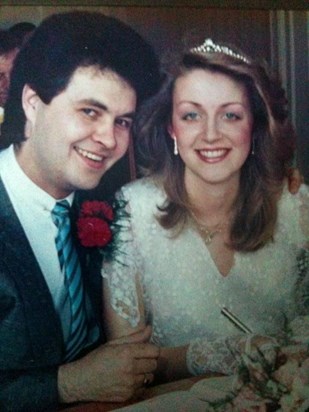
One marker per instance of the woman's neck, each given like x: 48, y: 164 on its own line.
x: 212, y: 203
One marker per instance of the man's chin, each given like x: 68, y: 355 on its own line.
x: 87, y: 185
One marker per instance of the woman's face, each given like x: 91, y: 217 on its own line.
x: 212, y: 122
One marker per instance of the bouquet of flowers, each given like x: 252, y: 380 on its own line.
x: 279, y: 382
x: 270, y: 377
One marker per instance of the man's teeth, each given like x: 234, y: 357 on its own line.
x: 213, y: 153
x: 89, y: 155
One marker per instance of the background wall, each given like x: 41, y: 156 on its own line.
x: 273, y: 30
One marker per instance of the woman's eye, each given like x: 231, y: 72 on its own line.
x: 231, y: 116
x: 190, y: 116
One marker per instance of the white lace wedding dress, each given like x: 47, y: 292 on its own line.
x: 183, y: 291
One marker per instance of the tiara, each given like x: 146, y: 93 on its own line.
x: 210, y: 47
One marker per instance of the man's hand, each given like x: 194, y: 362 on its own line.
x: 111, y: 373
x: 142, y: 336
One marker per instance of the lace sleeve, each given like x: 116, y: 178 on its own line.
x: 304, y: 213
x: 223, y: 354
x: 121, y: 272
x: 302, y: 285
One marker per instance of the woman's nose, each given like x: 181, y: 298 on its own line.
x: 211, y: 132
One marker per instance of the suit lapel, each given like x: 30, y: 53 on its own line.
x: 18, y: 260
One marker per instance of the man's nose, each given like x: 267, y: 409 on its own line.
x: 105, y: 134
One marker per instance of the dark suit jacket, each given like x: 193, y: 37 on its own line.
x: 31, y: 342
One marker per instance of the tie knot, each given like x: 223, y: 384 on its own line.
x: 60, y: 212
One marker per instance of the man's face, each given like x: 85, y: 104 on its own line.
x: 6, y: 65
x: 75, y: 139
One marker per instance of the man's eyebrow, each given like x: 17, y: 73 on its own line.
x: 102, y: 106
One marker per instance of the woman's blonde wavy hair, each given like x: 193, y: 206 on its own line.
x: 262, y: 175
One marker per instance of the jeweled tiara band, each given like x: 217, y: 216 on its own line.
x: 210, y: 47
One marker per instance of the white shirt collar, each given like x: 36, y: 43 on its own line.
x: 24, y: 190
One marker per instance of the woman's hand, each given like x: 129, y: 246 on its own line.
x: 295, y: 179
x: 259, y: 356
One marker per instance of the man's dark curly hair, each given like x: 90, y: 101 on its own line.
x: 64, y: 42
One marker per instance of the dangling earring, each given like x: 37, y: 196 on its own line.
x: 175, y: 147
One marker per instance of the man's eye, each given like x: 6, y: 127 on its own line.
x: 190, y: 116
x: 124, y: 123
x: 89, y: 112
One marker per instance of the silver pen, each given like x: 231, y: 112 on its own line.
x: 236, y: 322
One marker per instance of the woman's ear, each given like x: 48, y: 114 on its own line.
x: 171, y: 131
x: 173, y: 136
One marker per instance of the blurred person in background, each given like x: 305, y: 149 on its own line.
x: 8, y: 52
x: 22, y: 31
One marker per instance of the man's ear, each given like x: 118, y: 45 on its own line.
x: 30, y: 102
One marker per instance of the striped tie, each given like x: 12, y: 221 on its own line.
x: 70, y: 265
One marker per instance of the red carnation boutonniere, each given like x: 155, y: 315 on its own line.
x: 94, y: 224
x: 99, y: 225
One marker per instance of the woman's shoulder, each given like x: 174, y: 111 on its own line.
x: 142, y: 197
x: 146, y: 188
x: 293, y: 212
x: 299, y: 199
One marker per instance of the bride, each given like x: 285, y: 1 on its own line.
x: 213, y: 248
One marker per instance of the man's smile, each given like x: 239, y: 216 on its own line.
x: 89, y: 155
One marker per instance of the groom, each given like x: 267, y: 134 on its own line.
x: 74, y: 90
